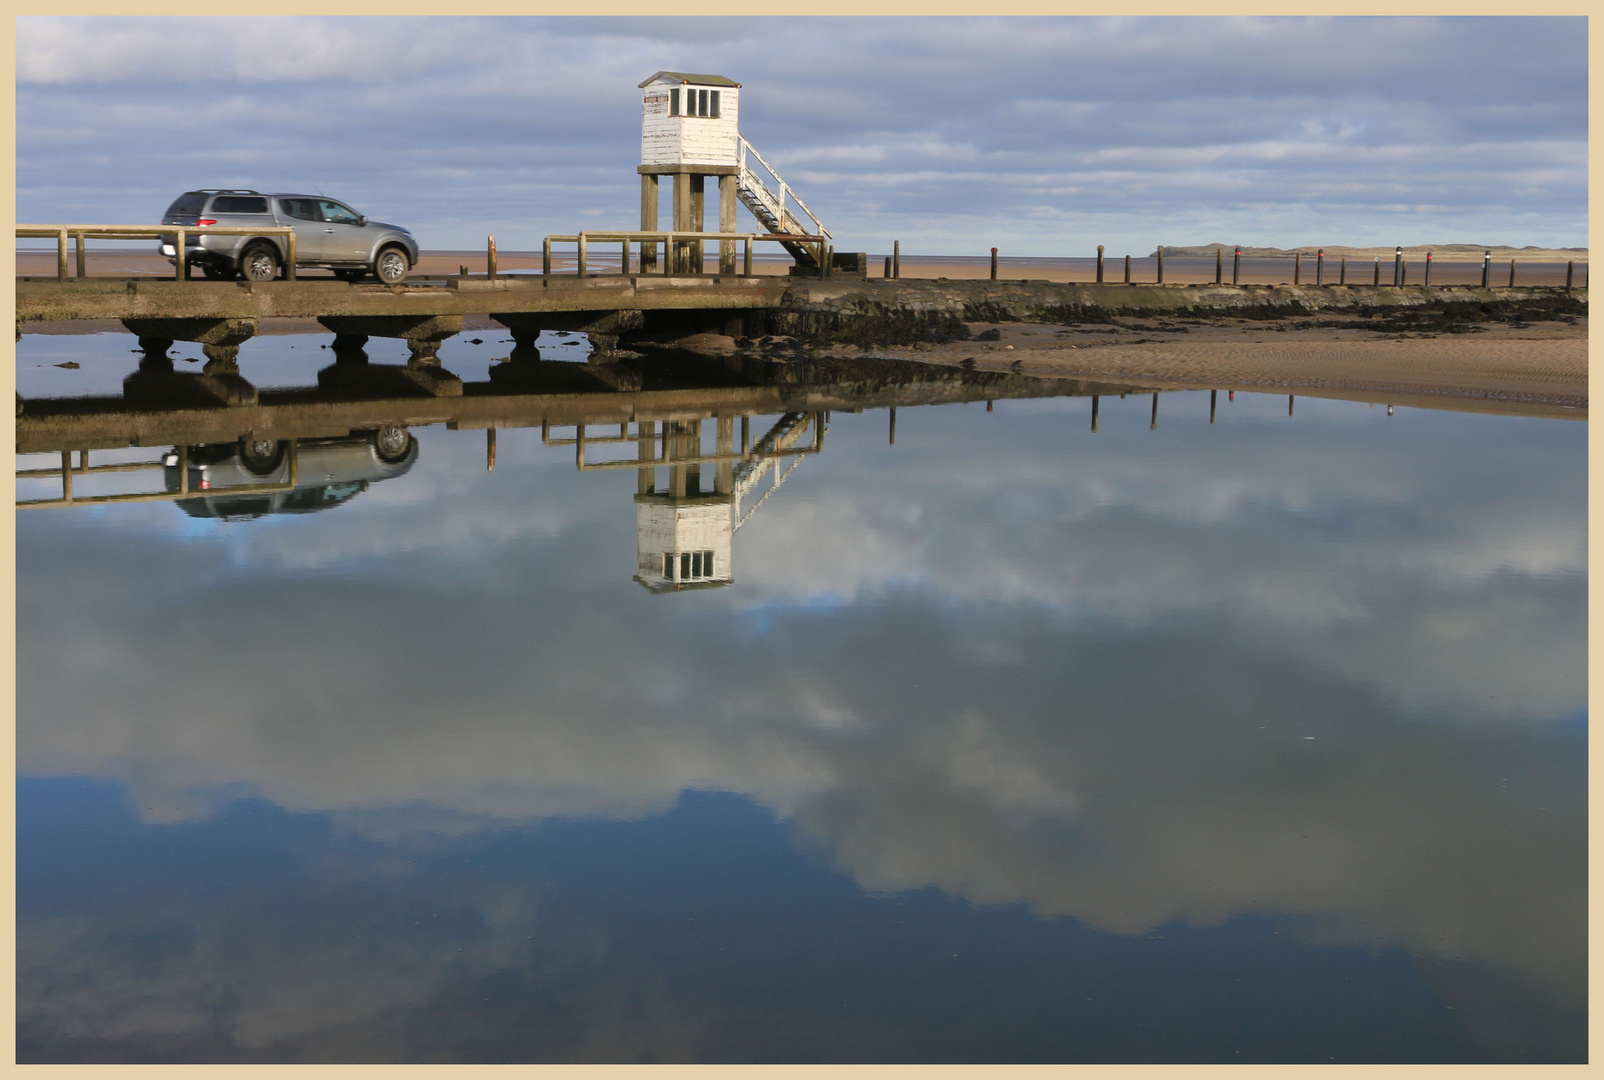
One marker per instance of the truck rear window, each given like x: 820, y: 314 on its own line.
x: 188, y: 204
x: 239, y: 204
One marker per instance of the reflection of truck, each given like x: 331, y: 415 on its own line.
x: 329, y: 472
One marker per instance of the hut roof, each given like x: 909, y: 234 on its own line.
x: 688, y: 77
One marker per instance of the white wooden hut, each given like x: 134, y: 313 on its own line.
x: 689, y: 119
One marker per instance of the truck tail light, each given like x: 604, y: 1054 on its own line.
x: 206, y: 221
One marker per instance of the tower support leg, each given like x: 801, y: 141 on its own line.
x: 726, y: 224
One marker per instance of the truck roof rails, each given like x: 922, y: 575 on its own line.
x: 225, y: 191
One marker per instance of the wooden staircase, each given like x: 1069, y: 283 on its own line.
x: 770, y: 209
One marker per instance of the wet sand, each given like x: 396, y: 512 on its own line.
x: 1538, y: 369
x: 769, y: 261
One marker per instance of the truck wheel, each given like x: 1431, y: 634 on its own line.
x: 392, y: 443
x: 391, y: 265
x: 260, y: 456
x: 259, y: 263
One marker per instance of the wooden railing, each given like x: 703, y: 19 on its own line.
x: 785, y: 189
x: 179, y: 233
x: 668, y: 240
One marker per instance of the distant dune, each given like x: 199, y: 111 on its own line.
x: 1456, y: 252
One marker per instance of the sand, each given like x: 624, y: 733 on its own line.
x: 138, y: 260
x: 1534, y: 370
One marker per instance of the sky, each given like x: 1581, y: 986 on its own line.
x: 1042, y: 137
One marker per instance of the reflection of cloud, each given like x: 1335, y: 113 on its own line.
x: 267, y: 976
x: 1072, y: 689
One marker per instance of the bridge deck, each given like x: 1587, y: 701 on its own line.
x: 94, y: 298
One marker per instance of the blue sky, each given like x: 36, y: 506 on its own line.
x: 1040, y: 136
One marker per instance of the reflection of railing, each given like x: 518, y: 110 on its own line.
x: 62, y: 233
x: 651, y: 239
x: 756, y: 453
x: 66, y: 472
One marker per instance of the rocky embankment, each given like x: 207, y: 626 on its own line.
x: 903, y: 312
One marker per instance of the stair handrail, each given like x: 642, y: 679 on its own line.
x: 785, y: 189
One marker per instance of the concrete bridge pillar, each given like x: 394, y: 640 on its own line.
x: 158, y: 334
x: 603, y: 328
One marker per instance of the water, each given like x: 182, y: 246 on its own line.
x: 1256, y: 741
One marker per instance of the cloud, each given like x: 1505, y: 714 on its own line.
x: 1274, y: 107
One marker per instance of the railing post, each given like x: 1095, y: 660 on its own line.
x: 1570, y: 273
x: 1236, y: 267
x: 1297, y: 268
x: 81, y: 260
x: 1511, y: 273
x: 61, y: 255
x: 1127, y: 269
x: 581, y: 269
x: 180, y: 249
x: 1099, y: 264
x: 1428, y: 269
x: 545, y: 257
x: 1219, y: 265
x: 1320, y: 267
x: 1161, y: 264
x: 896, y: 258
x: 626, y: 258
x: 994, y: 264
x: 291, y: 255
x: 1397, y: 265
x: 490, y: 255
x: 748, y: 259
x: 1342, y: 271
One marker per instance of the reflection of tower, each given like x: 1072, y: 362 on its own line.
x: 683, y: 534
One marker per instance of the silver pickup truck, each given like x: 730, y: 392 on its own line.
x: 327, y: 233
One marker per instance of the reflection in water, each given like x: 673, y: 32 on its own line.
x: 1261, y: 741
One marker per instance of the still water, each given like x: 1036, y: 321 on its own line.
x: 1260, y: 740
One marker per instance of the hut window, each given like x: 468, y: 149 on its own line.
x: 673, y: 102
x: 714, y: 112
x: 668, y: 565
x: 685, y: 565
x: 701, y: 103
